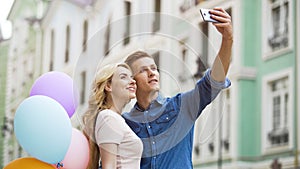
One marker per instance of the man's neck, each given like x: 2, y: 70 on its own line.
x: 144, y: 99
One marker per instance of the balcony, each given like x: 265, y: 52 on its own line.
x: 279, y: 136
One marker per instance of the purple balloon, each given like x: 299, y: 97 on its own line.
x: 58, y: 86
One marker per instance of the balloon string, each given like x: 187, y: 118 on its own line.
x: 59, y: 165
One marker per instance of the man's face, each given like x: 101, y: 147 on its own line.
x: 146, y: 75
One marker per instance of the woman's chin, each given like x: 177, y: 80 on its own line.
x: 132, y: 96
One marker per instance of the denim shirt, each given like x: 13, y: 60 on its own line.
x: 167, y: 126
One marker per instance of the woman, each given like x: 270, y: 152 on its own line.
x: 110, y: 138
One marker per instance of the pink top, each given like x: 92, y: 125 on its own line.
x: 112, y: 128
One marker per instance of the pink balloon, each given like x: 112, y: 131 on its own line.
x: 58, y: 86
x: 77, y: 156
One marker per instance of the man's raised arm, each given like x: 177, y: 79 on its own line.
x: 222, y: 61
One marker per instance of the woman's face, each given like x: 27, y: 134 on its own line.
x: 123, y: 85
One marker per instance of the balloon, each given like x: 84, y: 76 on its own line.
x: 77, y: 156
x: 28, y: 163
x: 60, y: 87
x: 43, y: 128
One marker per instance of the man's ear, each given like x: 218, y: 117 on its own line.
x: 108, y: 87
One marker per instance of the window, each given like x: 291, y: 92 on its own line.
x: 277, y: 111
x: 226, y: 122
x: 204, y: 29
x: 127, y: 22
x: 279, y: 99
x: 156, y: 58
x: 203, y: 59
x: 279, y: 19
x: 107, y: 39
x: 197, y: 150
x: 157, y: 10
x: 183, y: 77
x: 83, y: 86
x: 67, y: 50
x: 85, y: 35
x: 277, y: 25
x: 52, y: 43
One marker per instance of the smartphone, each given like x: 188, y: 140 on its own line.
x: 206, y: 15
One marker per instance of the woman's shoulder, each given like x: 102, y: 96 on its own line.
x: 107, y: 113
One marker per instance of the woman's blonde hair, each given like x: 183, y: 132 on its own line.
x: 98, y: 101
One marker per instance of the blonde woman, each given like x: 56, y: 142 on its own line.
x: 110, y: 138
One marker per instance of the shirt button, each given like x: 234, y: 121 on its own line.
x: 154, y: 157
x: 153, y: 142
x: 146, y: 111
x: 149, y: 127
x: 167, y: 118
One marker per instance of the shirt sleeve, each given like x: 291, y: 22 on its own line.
x: 215, y: 84
x: 108, y: 128
x: 205, y: 91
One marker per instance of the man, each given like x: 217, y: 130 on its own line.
x: 166, y: 125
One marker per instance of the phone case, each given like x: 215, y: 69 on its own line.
x: 206, y: 15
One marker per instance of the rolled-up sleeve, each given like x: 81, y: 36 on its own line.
x: 215, y: 84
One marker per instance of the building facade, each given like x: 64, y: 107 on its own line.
x: 264, y: 104
x: 23, y: 67
x: 298, y: 81
x: 3, y: 58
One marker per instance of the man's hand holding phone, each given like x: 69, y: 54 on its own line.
x: 220, y: 19
x: 207, y: 16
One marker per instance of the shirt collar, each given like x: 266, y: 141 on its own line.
x: 159, y: 99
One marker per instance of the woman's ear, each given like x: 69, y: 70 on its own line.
x: 108, y: 87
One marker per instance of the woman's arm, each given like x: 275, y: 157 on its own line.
x: 108, y: 154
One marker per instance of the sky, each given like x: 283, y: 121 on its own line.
x: 5, y: 6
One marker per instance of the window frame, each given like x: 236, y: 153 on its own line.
x: 267, y: 113
x: 267, y: 52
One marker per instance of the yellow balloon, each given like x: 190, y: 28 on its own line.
x: 28, y: 163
